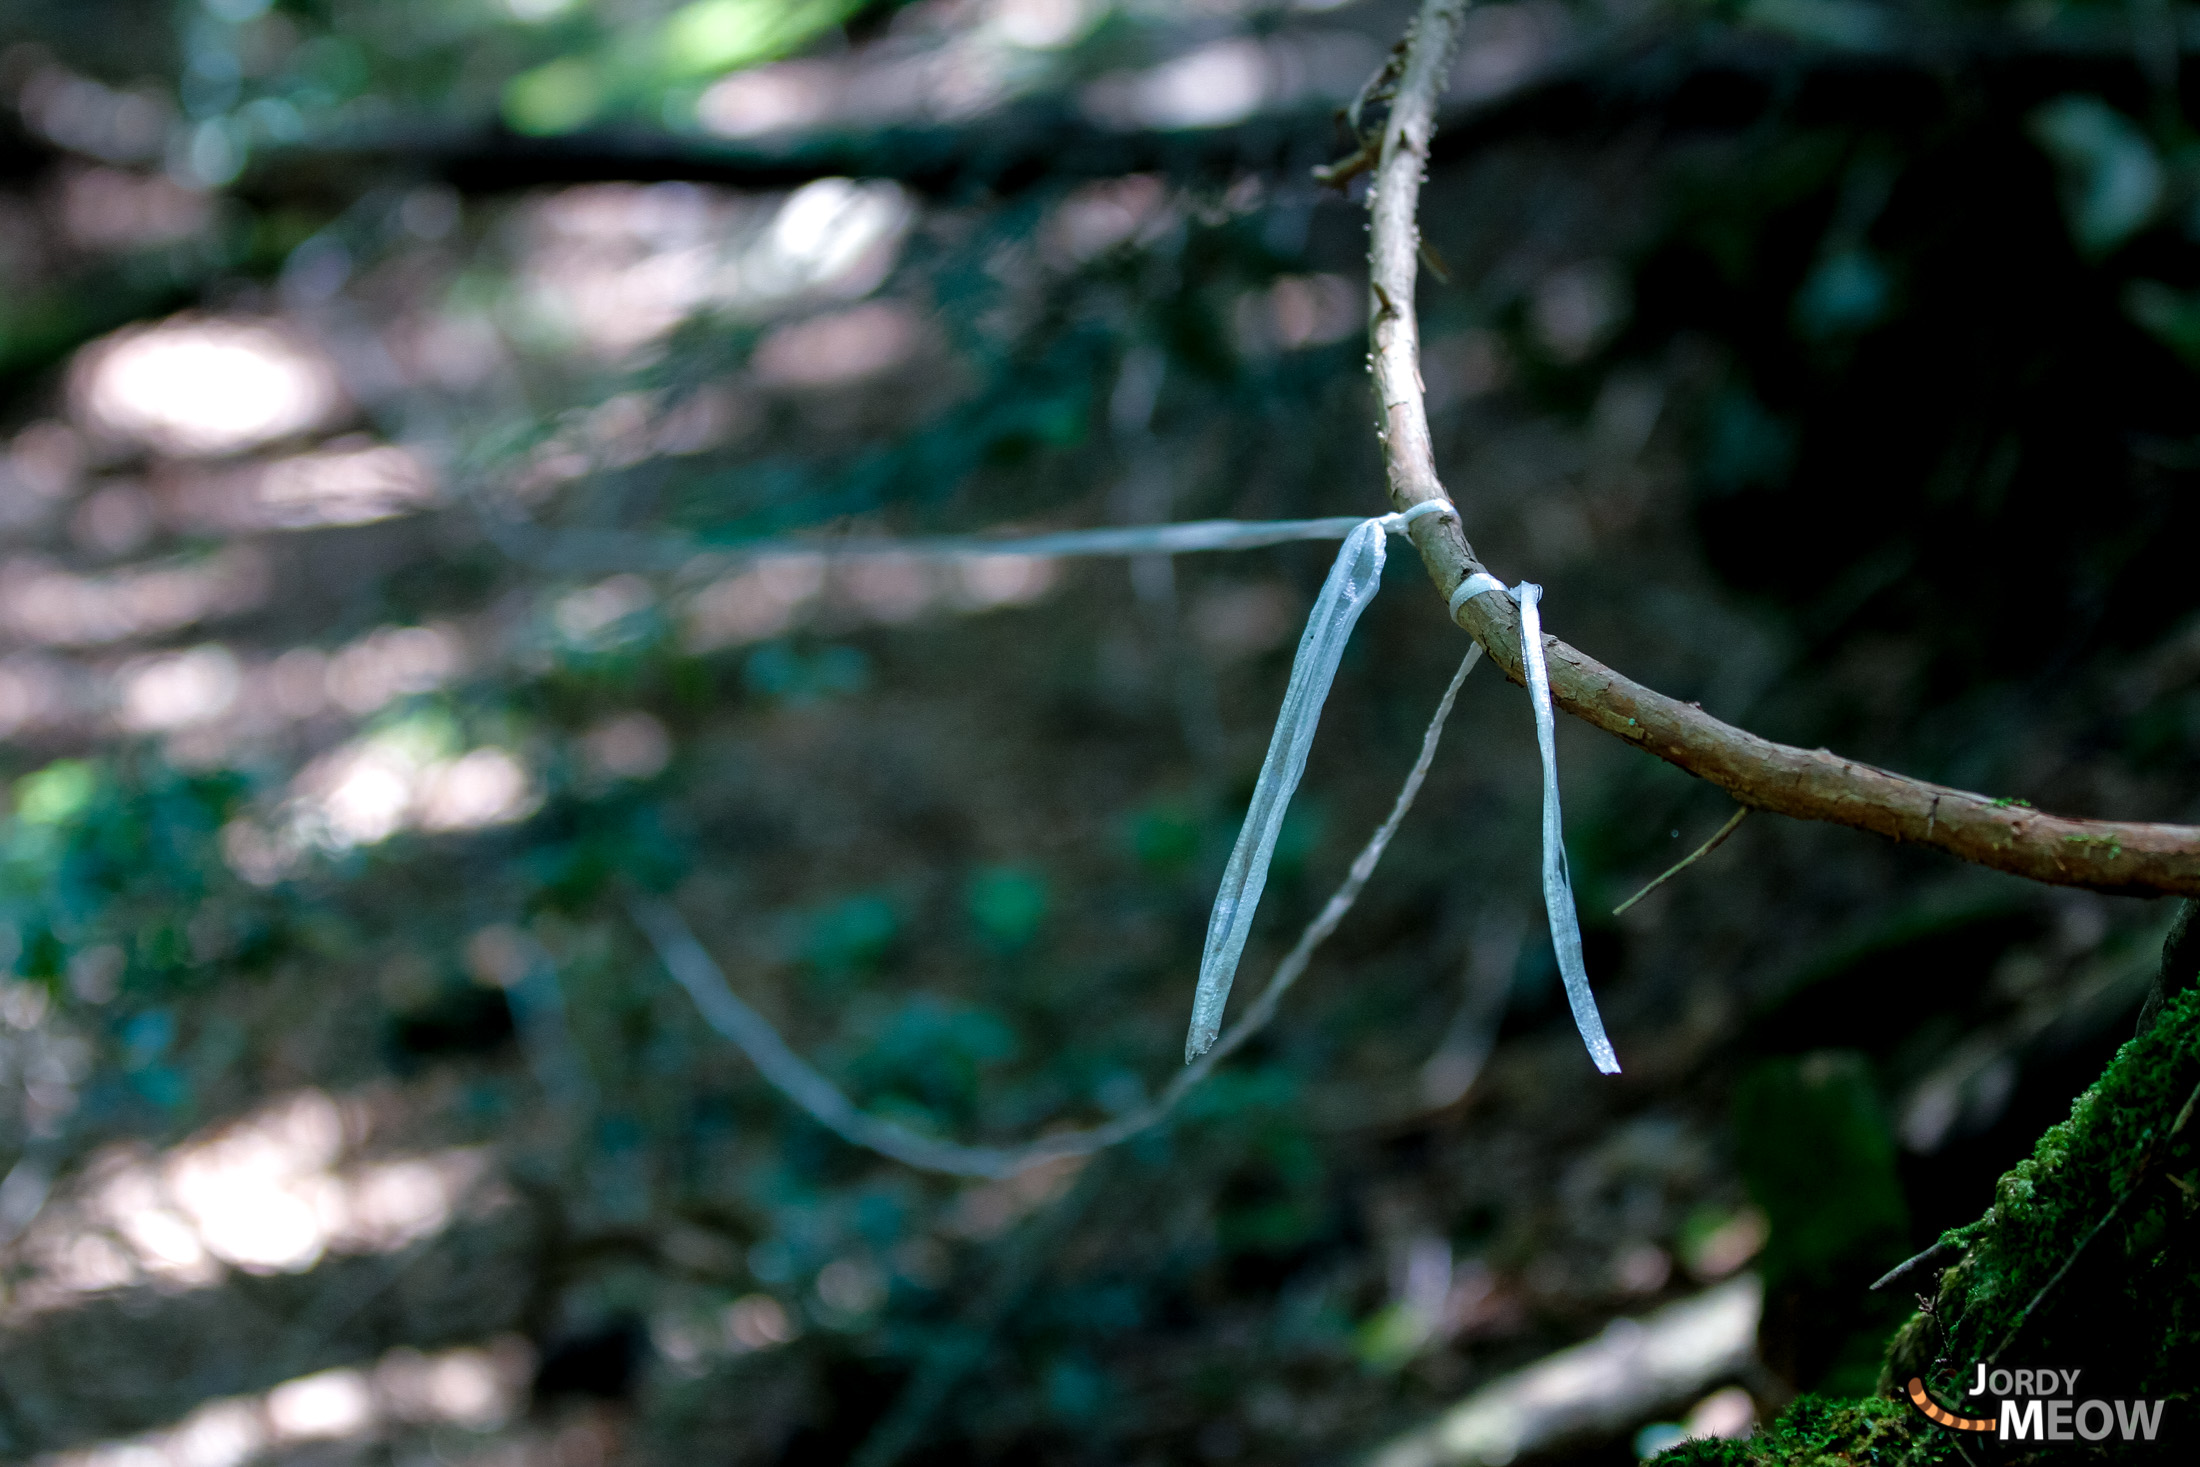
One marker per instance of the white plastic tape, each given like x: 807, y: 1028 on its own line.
x: 1353, y: 581
x: 1558, y: 887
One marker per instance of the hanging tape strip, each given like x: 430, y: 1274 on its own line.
x: 1558, y: 887
x: 1353, y: 580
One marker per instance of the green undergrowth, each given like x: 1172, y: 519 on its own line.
x: 1816, y: 1430
x: 2125, y: 1310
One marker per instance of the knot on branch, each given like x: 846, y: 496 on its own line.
x: 1351, y: 120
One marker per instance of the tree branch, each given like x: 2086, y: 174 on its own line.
x: 1610, y: 79
x: 1004, y: 154
x: 1809, y: 784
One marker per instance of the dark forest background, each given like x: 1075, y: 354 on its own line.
x: 389, y: 389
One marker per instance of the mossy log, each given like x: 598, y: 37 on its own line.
x: 2088, y: 1260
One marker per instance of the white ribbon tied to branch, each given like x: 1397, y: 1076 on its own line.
x: 1558, y: 886
x: 1353, y: 581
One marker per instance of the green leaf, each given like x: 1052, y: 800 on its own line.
x: 2111, y: 179
x: 1008, y: 904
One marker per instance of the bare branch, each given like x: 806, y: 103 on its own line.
x: 1809, y: 784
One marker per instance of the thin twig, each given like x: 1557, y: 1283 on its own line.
x: 1808, y: 784
x: 1686, y: 861
x: 1451, y: 1071
x: 1920, y: 1259
x: 692, y: 966
x: 1336, y: 175
x: 1379, y: 87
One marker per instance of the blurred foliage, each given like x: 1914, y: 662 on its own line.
x: 1816, y: 1151
x: 1836, y: 366
x: 2087, y: 1252
x: 2100, y: 1198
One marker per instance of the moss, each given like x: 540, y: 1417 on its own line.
x: 2126, y: 1311
x: 1820, y: 1432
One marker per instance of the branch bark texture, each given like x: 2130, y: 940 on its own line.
x: 1809, y: 784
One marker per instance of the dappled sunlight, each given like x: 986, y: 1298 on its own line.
x: 594, y: 616
x: 38, y: 469
x: 82, y: 114
x: 480, y: 788
x: 583, y: 878
x: 454, y: 349
x: 158, y: 694
x: 774, y: 595
x: 1300, y: 310
x: 273, y: 1192
x: 332, y: 1404
x: 763, y: 100
x: 221, y: 696
x: 34, y: 693
x: 476, y: 1388
x: 755, y: 603
x: 115, y: 520
x: 930, y: 72
x: 1105, y: 215
x: 885, y: 588
x: 1218, y: 84
x: 111, y: 209
x: 835, y: 236
x: 200, y: 386
x: 1230, y: 80
x: 1044, y: 25
x: 411, y: 775
x: 44, y: 605
x: 988, y: 1209
x: 368, y: 790
x: 983, y: 582
x: 693, y: 1342
x: 386, y: 664
x: 347, y: 483
x: 617, y: 265
x: 892, y: 589
x: 627, y: 746
x: 360, y: 795
x: 841, y: 348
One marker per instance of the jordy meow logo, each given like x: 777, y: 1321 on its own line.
x: 2043, y: 1406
